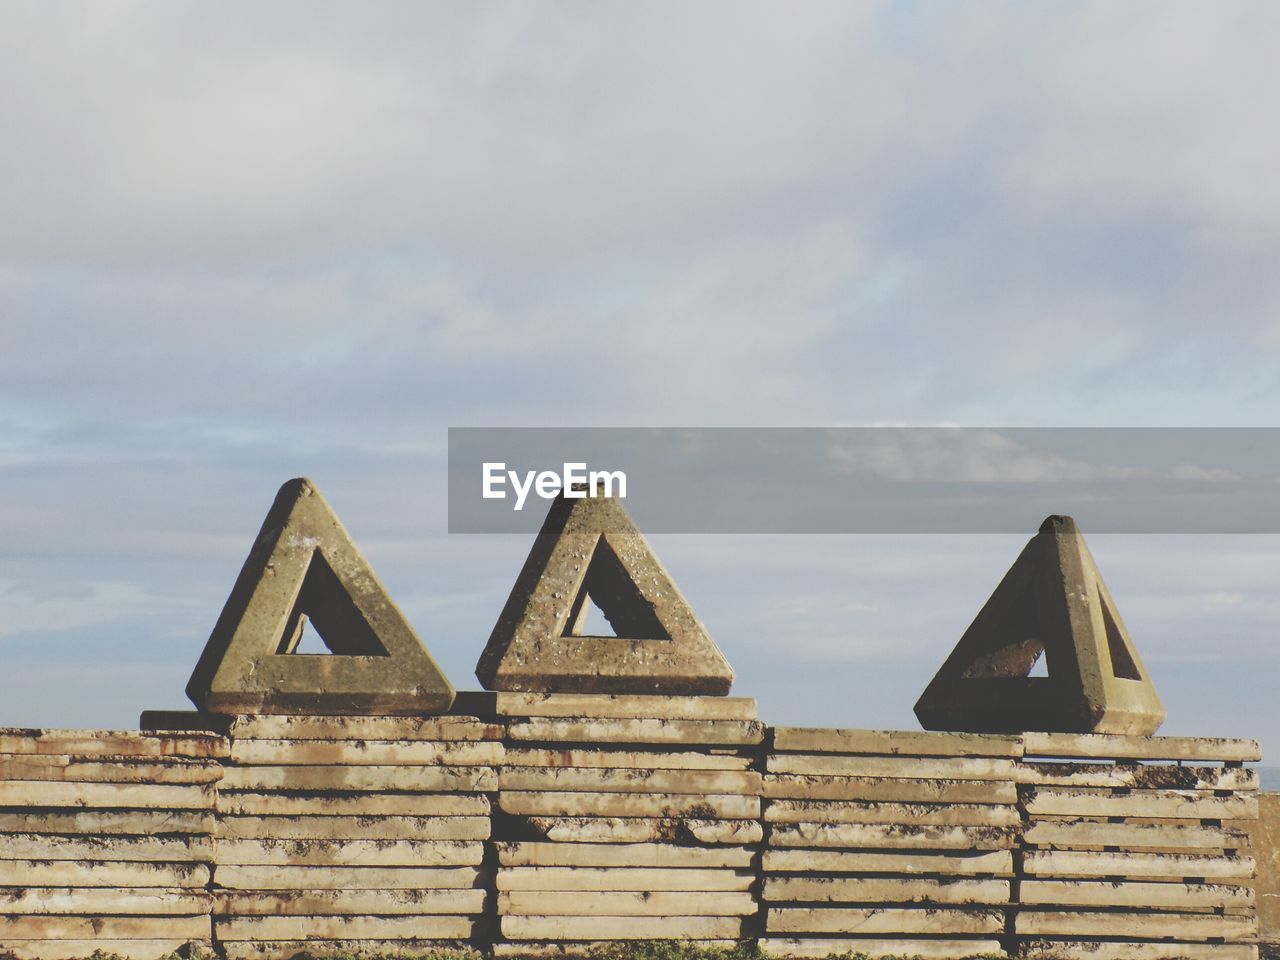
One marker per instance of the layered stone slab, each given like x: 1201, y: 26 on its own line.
x: 934, y: 949
x: 611, y: 706
x: 645, y: 880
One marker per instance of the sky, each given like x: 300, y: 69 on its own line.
x: 249, y: 242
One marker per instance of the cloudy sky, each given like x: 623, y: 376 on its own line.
x: 249, y: 242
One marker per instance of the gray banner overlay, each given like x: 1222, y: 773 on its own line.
x: 879, y: 479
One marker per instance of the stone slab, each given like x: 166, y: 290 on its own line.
x: 1099, y: 950
x: 348, y: 853
x: 352, y: 727
x: 108, y: 743
x: 645, y: 830
x: 346, y: 928
x: 568, y: 779
x: 313, y: 903
x: 799, y: 787
x: 1164, y: 866
x: 902, y: 768
x: 912, y: 743
x: 1067, y: 834
x: 362, y: 778
x: 581, y: 949
x: 1156, y: 896
x: 366, y: 752
x: 121, y: 770
x: 955, y: 814
x: 883, y: 920
x: 136, y: 796
x: 78, y: 901
x: 1164, y: 804
x: 955, y: 864
x: 570, y: 804
x: 622, y: 928
x: 99, y: 873
x: 1135, y: 924
x: 1119, y: 747
x: 354, y: 805
x: 811, y: 949
x: 109, y: 823
x: 1264, y: 837
x: 604, y: 705
x: 354, y: 828
x: 1137, y: 776
x: 105, y: 928
x: 410, y: 948
x: 623, y: 878
x: 728, y: 759
x: 62, y: 949
x: 275, y: 877
x: 891, y: 836
x: 661, y: 732
x: 35, y: 846
x: 655, y: 903
x: 884, y: 890
x: 664, y: 855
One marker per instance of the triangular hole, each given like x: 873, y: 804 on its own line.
x: 1041, y: 667
x: 609, y: 596
x: 1013, y: 649
x: 335, y: 621
x: 1122, y: 664
x: 593, y: 621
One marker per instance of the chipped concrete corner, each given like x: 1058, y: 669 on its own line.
x: 1051, y: 603
x: 304, y: 567
x: 590, y: 549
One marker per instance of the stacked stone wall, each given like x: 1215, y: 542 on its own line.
x: 547, y: 825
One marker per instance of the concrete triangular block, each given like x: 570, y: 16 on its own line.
x: 589, y: 551
x: 1051, y: 603
x: 305, y: 571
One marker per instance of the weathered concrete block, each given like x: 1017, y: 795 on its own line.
x: 556, y: 804
x: 1135, y: 924
x: 883, y: 920
x: 275, y: 877
x: 891, y: 835
x: 1052, y: 602
x: 1126, y: 950
x: 895, y: 743
x: 345, y: 928
x: 589, y: 550
x: 342, y: 903
x: 304, y: 566
x: 809, y: 787
x: 101, y: 873
x: 923, y: 814
x: 909, y: 863
x: 554, y: 903
x: 1163, y: 866
x: 353, y: 805
x: 546, y: 757
x: 619, y: 780
x: 622, y: 928
x: 641, y: 879
x: 884, y: 890
x: 604, y: 705
x: 729, y: 733
x: 1155, y: 896
x: 361, y: 778
x: 664, y: 855
x: 348, y: 853
x: 645, y: 830
x: 813, y: 949
x: 354, y: 828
